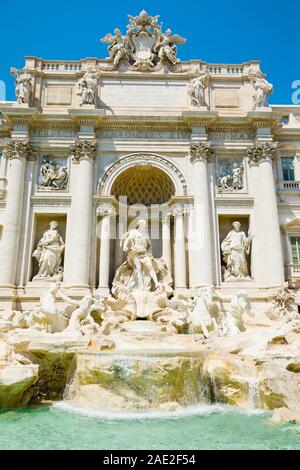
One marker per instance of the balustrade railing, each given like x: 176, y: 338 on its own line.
x: 289, y: 185
x: 232, y: 70
x: 293, y: 270
x: 61, y: 66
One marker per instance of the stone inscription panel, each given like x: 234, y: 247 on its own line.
x: 135, y: 93
x: 226, y: 98
x: 59, y: 95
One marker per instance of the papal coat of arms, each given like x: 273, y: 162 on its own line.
x: 145, y: 46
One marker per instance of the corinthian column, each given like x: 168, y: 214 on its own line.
x: 17, y: 152
x: 78, y: 239
x: 104, y: 260
x: 270, y: 271
x: 179, y: 250
x: 200, y: 242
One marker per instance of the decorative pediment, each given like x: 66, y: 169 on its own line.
x: 292, y: 227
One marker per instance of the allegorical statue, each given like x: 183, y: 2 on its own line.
x: 118, y: 48
x: 53, y: 176
x: 166, y: 46
x: 81, y: 319
x: 262, y: 88
x: 137, y: 244
x: 49, y: 254
x: 46, y: 316
x: 23, y: 86
x: 235, y: 249
x: 87, y: 87
x: 141, y: 270
x: 196, y: 88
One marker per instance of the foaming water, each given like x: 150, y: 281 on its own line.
x: 195, y: 410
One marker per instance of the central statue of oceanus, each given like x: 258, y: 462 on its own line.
x: 141, y: 270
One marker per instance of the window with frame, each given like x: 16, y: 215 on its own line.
x: 287, y: 164
x: 295, y: 251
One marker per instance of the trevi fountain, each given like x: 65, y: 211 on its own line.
x: 187, y: 312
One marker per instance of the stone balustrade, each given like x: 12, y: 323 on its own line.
x: 289, y: 186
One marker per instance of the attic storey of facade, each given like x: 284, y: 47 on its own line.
x: 197, y: 140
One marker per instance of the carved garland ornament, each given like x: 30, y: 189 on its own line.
x: 146, y: 159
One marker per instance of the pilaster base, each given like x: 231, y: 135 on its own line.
x: 103, y: 291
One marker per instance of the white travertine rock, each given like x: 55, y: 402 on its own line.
x: 15, y: 384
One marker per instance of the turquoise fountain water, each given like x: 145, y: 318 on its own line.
x: 199, y: 427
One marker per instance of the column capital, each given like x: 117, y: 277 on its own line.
x: 83, y: 149
x: 264, y: 151
x: 178, y: 211
x: 200, y: 151
x: 105, y: 211
x: 20, y: 149
x: 166, y: 217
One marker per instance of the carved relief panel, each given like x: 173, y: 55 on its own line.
x: 52, y: 174
x: 230, y: 175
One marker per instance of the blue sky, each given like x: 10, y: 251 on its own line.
x: 218, y: 31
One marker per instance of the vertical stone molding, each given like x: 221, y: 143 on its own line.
x: 78, y: 240
x: 179, y: 249
x: 17, y: 152
x: 105, y: 236
x: 200, y: 237
x: 271, y: 271
x: 166, y: 240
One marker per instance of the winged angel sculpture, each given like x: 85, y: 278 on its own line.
x: 145, y: 46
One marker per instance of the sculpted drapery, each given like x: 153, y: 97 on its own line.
x: 49, y: 253
x: 235, y: 249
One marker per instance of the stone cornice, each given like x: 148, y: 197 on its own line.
x: 19, y: 114
x: 236, y: 201
x: 87, y: 117
x: 263, y: 119
x: 199, y: 118
x: 200, y: 151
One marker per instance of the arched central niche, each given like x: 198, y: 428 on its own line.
x: 143, y: 184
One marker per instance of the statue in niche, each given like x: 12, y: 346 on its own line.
x: 141, y: 270
x: 23, y: 86
x: 233, y: 179
x: 235, y: 250
x: 262, y: 88
x: 53, y: 176
x: 87, y: 87
x: 49, y: 254
x: 197, y: 86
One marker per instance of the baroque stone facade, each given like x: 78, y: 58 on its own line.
x: 199, y: 141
